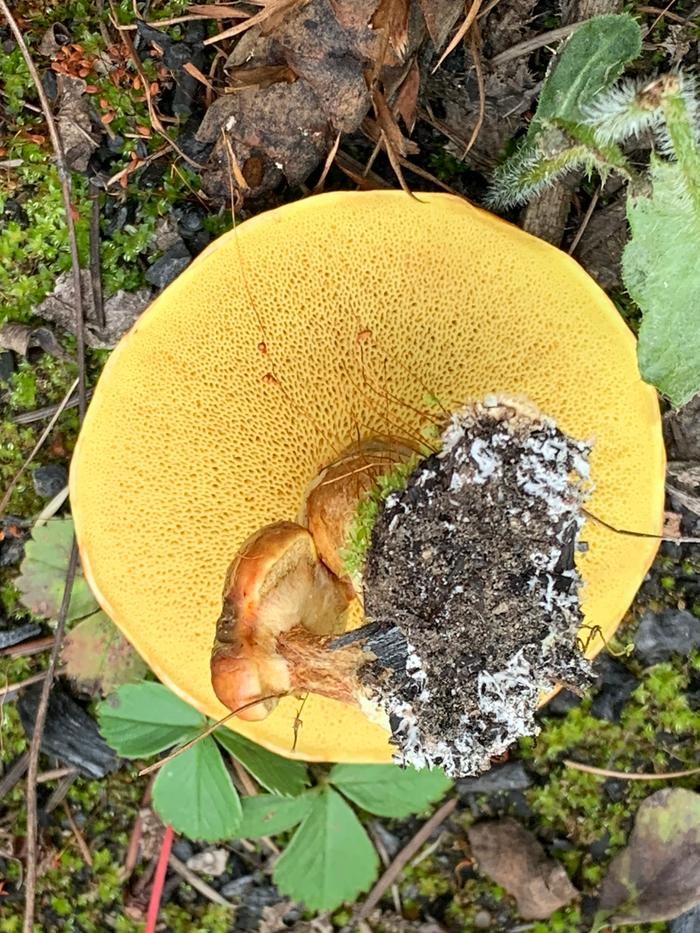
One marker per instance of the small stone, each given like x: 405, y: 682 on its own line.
x: 510, y: 776
x: 166, y: 269
x: 687, y: 923
x: 561, y: 703
x: 7, y: 365
x: 12, y: 535
x: 238, y: 887
x: 210, y: 862
x: 199, y: 241
x: 115, y: 144
x: 183, y: 850
x: 599, y: 848
x: 616, y: 686
x: 482, y: 920
x: 660, y: 637
x: 49, y: 480
x: 191, y: 221
x: 391, y: 843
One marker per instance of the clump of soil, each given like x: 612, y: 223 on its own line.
x: 474, y: 563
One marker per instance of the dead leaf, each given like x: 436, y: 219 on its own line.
x: 672, y: 525
x: 407, y: 97
x: 55, y: 37
x: 386, y: 122
x: 513, y: 858
x: 272, y: 916
x: 74, y: 123
x: 657, y: 876
x: 461, y: 33
x: 440, y: 16
x: 261, y: 76
x: 391, y: 18
x: 683, y: 483
x: 22, y: 337
x: 120, y: 310
x: 98, y: 657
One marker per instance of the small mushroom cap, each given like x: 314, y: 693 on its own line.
x: 305, y: 328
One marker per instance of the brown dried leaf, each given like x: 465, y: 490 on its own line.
x: 217, y: 10
x: 513, y: 858
x: 22, y: 337
x: 386, y: 123
x: 98, y: 657
x: 440, y: 16
x: 391, y: 17
x: 269, y: 17
x: 657, y: 876
x: 260, y: 76
x: 461, y: 32
x: 407, y: 97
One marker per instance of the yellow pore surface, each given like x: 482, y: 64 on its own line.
x: 330, y: 319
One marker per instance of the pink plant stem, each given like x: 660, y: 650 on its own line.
x: 159, y: 880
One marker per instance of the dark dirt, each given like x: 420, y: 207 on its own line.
x: 486, y: 529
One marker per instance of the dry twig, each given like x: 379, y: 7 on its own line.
x: 197, y: 883
x: 629, y: 776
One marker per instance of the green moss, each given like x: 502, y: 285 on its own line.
x: 360, y: 531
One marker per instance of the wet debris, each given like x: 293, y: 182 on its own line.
x: 49, y: 480
x: 491, y: 620
x: 512, y: 857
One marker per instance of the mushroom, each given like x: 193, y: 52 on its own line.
x: 331, y: 321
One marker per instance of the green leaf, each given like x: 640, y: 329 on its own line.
x: 329, y: 859
x: 590, y: 61
x: 42, y: 577
x: 661, y: 273
x: 98, y: 657
x: 388, y: 790
x: 657, y: 876
x: 195, y: 795
x: 269, y: 814
x: 143, y: 719
x: 276, y: 774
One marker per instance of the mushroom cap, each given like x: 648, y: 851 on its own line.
x: 334, y: 318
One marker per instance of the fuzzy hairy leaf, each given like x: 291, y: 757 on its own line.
x: 330, y: 858
x: 590, y: 61
x: 661, y: 273
x: 42, y: 575
x: 143, y: 719
x: 269, y: 814
x: 98, y: 657
x: 276, y: 774
x: 657, y: 876
x: 195, y: 795
x: 387, y: 790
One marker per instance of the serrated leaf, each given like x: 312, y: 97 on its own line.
x: 329, y: 859
x: 143, y: 719
x: 98, y: 657
x: 657, y: 876
x: 42, y: 576
x: 387, y: 790
x: 276, y: 774
x: 661, y: 273
x: 195, y: 795
x: 268, y: 814
x: 590, y: 61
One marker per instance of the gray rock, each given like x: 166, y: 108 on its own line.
x: 510, y: 776
x: 49, y: 480
x: 391, y: 843
x: 659, y: 637
x: 616, y: 684
x: 687, y: 923
x: 166, y: 269
x: 239, y: 886
x: 561, y: 703
x: 209, y: 862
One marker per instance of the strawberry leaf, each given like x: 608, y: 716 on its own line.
x: 330, y: 858
x: 143, y: 719
x: 387, y: 790
x: 269, y: 814
x: 276, y: 774
x: 194, y: 794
